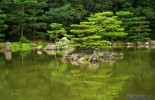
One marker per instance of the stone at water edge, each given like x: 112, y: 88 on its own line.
x: 7, y: 46
x: 93, y: 57
x: 51, y: 47
x: 39, y: 47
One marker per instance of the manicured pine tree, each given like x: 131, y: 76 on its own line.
x: 82, y: 33
x: 109, y: 26
x: 3, y: 26
x: 125, y: 17
x: 56, y: 31
x: 98, y: 31
x: 86, y: 37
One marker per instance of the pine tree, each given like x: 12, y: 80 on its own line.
x: 109, y: 26
x: 37, y: 18
x: 59, y: 13
x: 100, y: 29
x: 25, y: 17
x: 3, y: 26
x: 139, y: 30
x: 136, y: 27
x: 125, y: 17
x: 56, y: 31
x: 84, y: 35
x: 16, y: 16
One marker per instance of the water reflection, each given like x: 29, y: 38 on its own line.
x: 94, y: 65
x: 45, y: 77
x: 7, y: 55
x: 51, y: 52
x: 39, y: 52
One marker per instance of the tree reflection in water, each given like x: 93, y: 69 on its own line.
x: 31, y: 76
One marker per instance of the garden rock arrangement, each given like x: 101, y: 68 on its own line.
x: 101, y: 56
x: 61, y: 44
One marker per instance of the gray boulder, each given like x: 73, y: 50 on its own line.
x: 64, y: 39
x: 63, y: 43
x: 51, y: 47
x: 140, y: 42
x: 74, y: 57
x: 129, y: 44
x: 39, y: 47
x: 152, y: 42
x: 7, y: 46
x: 93, y: 57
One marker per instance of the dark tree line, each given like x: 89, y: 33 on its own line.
x: 32, y: 18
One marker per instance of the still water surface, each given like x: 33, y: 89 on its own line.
x: 32, y: 76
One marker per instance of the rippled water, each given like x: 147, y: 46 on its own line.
x: 32, y: 75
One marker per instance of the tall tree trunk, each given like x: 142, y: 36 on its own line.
x: 22, y: 27
x: 22, y: 30
x: 34, y: 27
x: 34, y: 31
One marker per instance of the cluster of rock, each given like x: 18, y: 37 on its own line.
x: 61, y: 44
x: 105, y: 56
x: 51, y: 48
x: 139, y: 44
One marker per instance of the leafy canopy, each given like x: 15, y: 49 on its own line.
x: 100, y: 29
x: 56, y: 31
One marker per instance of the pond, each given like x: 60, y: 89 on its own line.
x: 36, y: 75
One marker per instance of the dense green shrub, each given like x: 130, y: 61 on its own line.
x: 14, y: 47
x: 25, y: 46
x: 23, y: 39
x: 43, y: 44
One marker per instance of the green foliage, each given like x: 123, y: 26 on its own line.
x: 103, y: 5
x: 25, y: 46
x: 30, y: 17
x: 139, y: 30
x: 110, y: 26
x: 59, y: 14
x: 136, y: 27
x: 56, y: 31
x: 43, y: 44
x: 23, y: 39
x: 25, y: 17
x: 15, y: 47
x: 78, y: 12
x: 138, y: 8
x: 98, y: 32
x: 38, y: 18
x: 82, y: 33
x: 3, y: 26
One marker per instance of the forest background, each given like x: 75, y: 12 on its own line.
x: 32, y: 18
